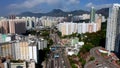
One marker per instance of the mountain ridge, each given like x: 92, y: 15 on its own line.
x: 59, y: 13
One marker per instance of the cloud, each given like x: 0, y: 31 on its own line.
x: 104, y: 6
x: 90, y: 4
x: 73, y: 1
x: 34, y: 3
x: 44, y: 5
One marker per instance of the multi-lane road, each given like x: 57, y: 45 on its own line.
x: 57, y: 58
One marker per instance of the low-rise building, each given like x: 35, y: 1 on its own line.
x: 74, y: 47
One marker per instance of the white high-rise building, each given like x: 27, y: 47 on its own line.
x: 68, y: 28
x: 33, y: 52
x: 113, y: 29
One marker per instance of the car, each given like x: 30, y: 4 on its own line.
x: 52, y: 48
x: 56, y: 55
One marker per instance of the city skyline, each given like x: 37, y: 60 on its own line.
x: 60, y: 34
x: 18, y: 6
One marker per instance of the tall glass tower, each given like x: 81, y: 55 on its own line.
x: 113, y: 29
x: 92, y: 15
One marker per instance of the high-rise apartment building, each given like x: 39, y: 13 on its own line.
x: 30, y: 22
x: 11, y: 26
x: 50, y: 21
x: 5, y: 50
x: 22, y: 49
x: 98, y: 21
x: 17, y: 26
x: 16, y: 50
x: 113, y: 29
x: 68, y: 28
x: 92, y: 15
x: 4, y: 27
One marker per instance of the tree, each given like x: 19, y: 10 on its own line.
x: 50, y: 42
x: 92, y: 58
x: 86, y: 48
x: 73, y: 66
x: 46, y: 50
x: 45, y: 33
x: 83, y: 62
x: 94, y: 38
x: 59, y: 33
x: 74, y: 35
x: 33, y: 32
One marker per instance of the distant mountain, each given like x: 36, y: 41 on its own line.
x: 59, y: 12
x: 103, y: 11
x: 55, y: 13
x: 79, y: 12
x: 31, y: 14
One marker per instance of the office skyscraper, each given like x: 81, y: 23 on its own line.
x: 92, y: 15
x: 113, y: 29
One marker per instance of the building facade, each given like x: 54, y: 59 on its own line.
x: 68, y: 28
x: 92, y: 15
x: 113, y: 29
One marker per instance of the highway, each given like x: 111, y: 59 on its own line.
x: 99, y: 61
x: 57, y: 58
x: 58, y: 62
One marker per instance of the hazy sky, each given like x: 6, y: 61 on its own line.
x: 17, y: 6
